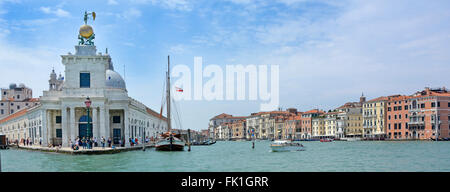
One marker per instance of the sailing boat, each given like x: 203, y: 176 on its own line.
x: 169, y: 141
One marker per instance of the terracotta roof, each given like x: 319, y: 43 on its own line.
x: 14, y: 115
x: 154, y: 113
x: 313, y: 111
x: 382, y: 98
x: 350, y: 105
x: 222, y: 116
x: 398, y: 97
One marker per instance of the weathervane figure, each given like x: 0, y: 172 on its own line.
x: 86, y: 35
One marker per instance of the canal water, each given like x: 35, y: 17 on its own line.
x: 240, y: 157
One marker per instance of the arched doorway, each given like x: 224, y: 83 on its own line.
x: 83, y: 129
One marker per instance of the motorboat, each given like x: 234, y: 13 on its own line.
x: 326, y: 140
x: 286, y: 145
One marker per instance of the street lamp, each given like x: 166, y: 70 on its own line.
x: 88, y: 106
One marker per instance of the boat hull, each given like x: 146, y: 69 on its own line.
x: 167, y: 146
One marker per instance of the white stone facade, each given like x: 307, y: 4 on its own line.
x: 62, y: 113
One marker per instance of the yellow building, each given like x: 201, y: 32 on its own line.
x: 374, y: 118
x: 350, y: 119
x: 318, y: 126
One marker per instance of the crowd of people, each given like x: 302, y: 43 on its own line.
x: 84, y: 142
x: 89, y: 142
x: 26, y: 142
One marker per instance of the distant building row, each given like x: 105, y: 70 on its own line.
x: 423, y: 115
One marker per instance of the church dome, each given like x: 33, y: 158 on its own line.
x: 114, y: 80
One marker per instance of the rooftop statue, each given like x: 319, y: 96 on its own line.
x: 86, y: 35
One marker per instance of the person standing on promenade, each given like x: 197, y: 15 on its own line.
x: 103, y: 142
x: 83, y: 141
x: 95, y: 142
x: 109, y: 141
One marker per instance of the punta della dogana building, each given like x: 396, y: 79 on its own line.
x: 62, y: 114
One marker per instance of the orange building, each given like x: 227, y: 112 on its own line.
x: 292, y: 129
x: 429, y: 109
x: 306, y: 122
x: 397, y: 110
x: 238, y: 130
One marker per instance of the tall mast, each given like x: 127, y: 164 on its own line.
x: 169, y: 126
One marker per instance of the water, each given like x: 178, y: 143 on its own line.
x: 240, y: 157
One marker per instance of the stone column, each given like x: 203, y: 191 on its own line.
x: 95, y: 130
x: 64, y: 126
x: 107, y: 124
x: 126, y: 128
x: 45, y: 137
x: 102, y: 123
x: 71, y: 126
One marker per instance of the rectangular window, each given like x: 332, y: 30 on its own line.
x: 389, y: 109
x: 399, y: 108
x: 116, y: 119
x: 85, y: 80
x: 2, y: 112
x: 58, y: 119
x: 433, y: 104
x: 59, y: 133
x: 422, y: 105
x: 406, y: 107
x: 439, y: 104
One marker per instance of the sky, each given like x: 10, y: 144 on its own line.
x: 328, y: 52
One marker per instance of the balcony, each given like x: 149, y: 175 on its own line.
x: 416, y: 123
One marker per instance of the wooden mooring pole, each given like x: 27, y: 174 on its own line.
x: 189, y: 140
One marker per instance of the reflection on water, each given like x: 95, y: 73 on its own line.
x: 239, y: 156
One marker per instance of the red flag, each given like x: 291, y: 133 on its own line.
x: 179, y: 89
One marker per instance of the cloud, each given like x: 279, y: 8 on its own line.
x: 177, y: 49
x: 55, y: 11
x: 180, y: 5
x: 112, y: 2
x: 130, y: 14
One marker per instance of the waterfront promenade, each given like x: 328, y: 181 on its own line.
x: 81, y: 151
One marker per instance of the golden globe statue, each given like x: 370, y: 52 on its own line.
x: 86, y: 31
x: 86, y: 35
